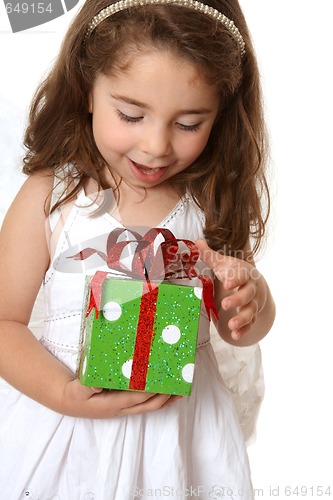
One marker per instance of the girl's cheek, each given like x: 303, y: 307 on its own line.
x: 195, y: 146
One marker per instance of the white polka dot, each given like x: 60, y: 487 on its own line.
x: 84, y: 365
x: 171, y: 334
x: 187, y: 372
x: 112, y: 311
x: 127, y: 368
x: 198, y: 292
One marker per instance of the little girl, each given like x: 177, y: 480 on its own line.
x: 151, y: 117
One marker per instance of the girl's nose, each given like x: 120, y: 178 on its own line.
x: 157, y: 142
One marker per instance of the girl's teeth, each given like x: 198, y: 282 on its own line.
x: 149, y: 171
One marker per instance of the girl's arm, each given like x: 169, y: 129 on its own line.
x: 24, y: 362
x: 242, y: 296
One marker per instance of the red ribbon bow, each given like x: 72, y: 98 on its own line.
x: 148, y: 264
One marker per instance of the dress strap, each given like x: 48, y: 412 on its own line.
x: 58, y: 189
x: 60, y: 184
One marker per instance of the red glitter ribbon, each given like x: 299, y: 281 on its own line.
x: 149, y: 267
x: 144, y: 337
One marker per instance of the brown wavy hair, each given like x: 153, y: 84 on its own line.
x: 228, y: 179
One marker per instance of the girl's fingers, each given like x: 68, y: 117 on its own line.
x: 217, y: 262
x: 238, y: 334
x: 172, y: 400
x: 96, y: 390
x: 128, y: 399
x: 154, y: 403
x: 241, y: 298
x: 209, y: 256
x: 117, y: 403
x: 95, y: 402
x: 235, y: 276
x: 244, y: 318
x: 238, y: 273
x: 231, y: 271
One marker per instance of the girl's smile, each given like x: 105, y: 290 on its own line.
x: 152, y: 120
x: 142, y: 171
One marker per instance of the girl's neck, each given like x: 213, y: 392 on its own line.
x: 138, y: 206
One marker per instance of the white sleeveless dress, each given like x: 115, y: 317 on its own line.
x: 194, y: 448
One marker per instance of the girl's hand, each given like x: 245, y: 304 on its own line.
x: 243, y: 292
x: 81, y: 401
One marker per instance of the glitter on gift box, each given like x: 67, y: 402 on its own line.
x: 171, y: 349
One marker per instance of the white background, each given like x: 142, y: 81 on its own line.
x: 294, y: 46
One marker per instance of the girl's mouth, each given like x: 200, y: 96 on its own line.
x: 147, y: 170
x: 144, y: 173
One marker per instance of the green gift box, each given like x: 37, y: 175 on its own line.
x: 142, y: 336
x: 139, y: 329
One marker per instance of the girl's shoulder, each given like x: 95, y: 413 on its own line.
x: 38, y: 181
x: 34, y: 195
x: 47, y: 180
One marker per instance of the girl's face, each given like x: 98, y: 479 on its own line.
x: 153, y: 120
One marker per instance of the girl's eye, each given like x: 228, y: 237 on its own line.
x: 128, y: 119
x: 189, y: 128
x: 137, y: 119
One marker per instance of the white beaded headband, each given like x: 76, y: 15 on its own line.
x: 190, y: 4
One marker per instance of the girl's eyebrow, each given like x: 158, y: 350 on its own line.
x: 128, y: 100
